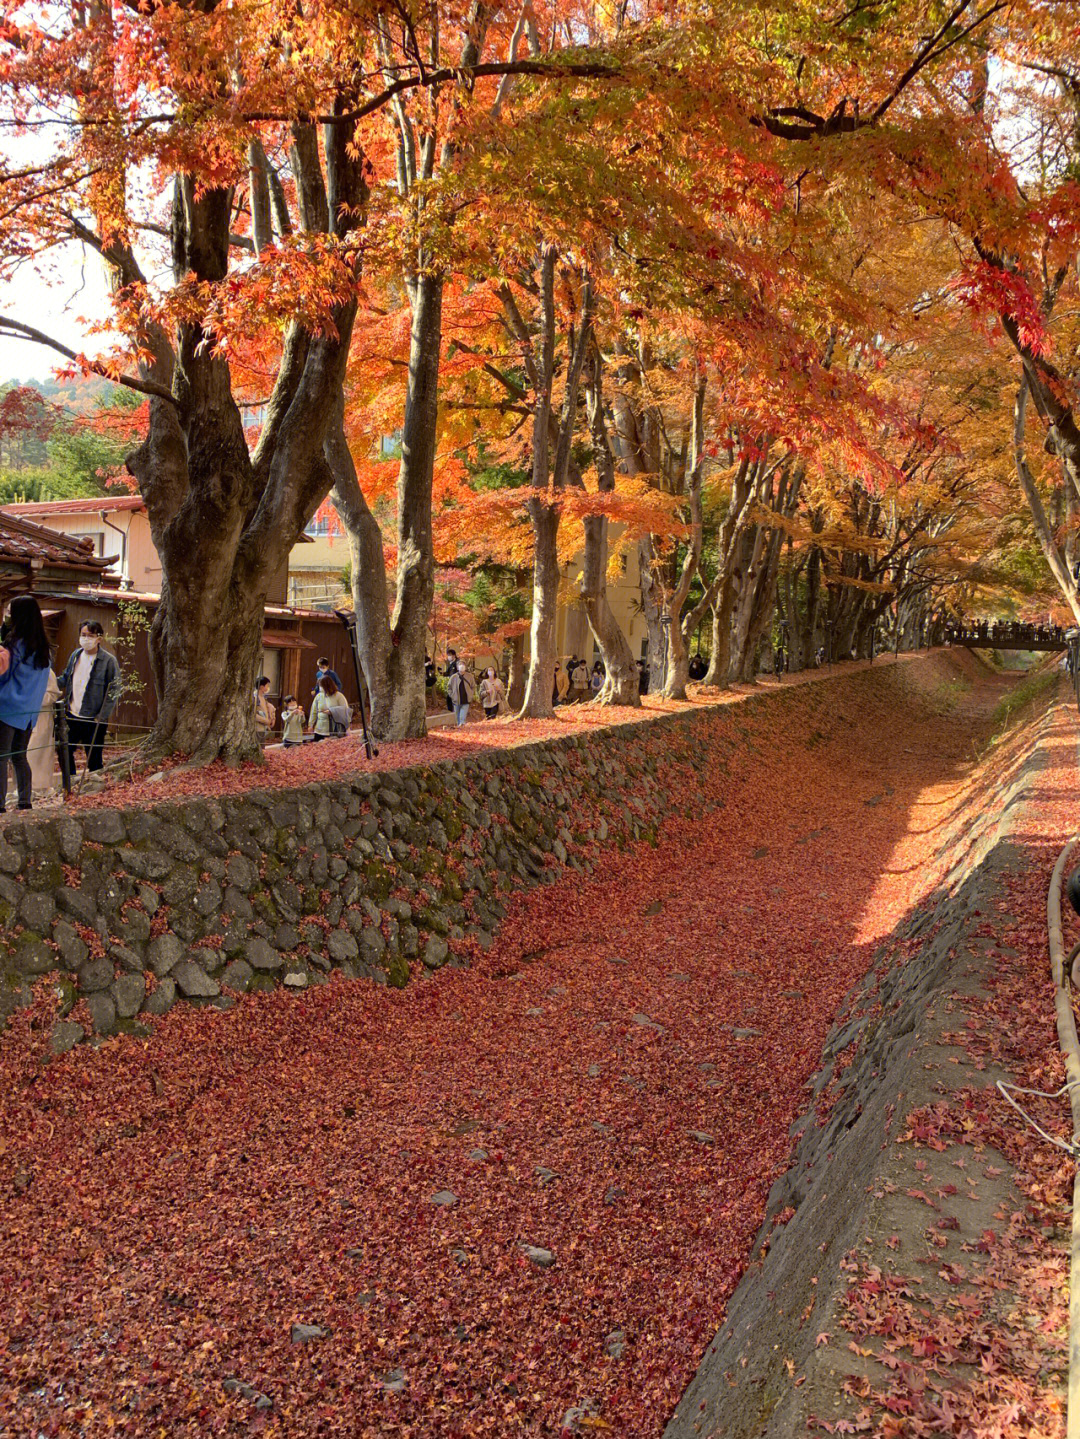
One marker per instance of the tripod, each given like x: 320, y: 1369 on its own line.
x: 348, y: 619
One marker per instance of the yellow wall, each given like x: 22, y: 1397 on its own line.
x: 315, y: 567
x: 573, y: 636
x: 140, y: 569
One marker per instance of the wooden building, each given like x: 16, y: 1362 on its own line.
x: 33, y: 558
x: 293, y: 640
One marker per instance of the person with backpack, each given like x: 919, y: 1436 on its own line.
x: 24, y: 676
x: 90, y: 685
x: 448, y: 674
x: 459, y: 691
x: 330, y: 712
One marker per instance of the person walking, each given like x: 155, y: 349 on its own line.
x: 90, y: 685
x: 24, y: 678
x: 492, y: 693
x: 459, y: 691
x: 596, y: 679
x: 329, y: 710
x: 448, y: 674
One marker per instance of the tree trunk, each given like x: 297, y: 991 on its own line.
x: 224, y: 519
x: 620, y: 685
x: 368, y: 566
x: 678, y: 663
x: 651, y: 608
x: 717, y: 675
x: 515, y: 688
x: 813, y: 607
x: 1055, y: 559
x: 415, y: 562
x: 206, y: 658
x: 747, y: 570
x: 764, y: 607
x: 545, y: 527
x: 549, y: 480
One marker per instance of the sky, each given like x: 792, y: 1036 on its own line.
x: 63, y: 298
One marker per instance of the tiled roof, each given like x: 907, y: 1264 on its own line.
x: 39, y: 509
x: 23, y: 543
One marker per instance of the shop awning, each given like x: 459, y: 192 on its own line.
x: 285, y: 640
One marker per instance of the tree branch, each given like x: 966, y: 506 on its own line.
x: 14, y: 329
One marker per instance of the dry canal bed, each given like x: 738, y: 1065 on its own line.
x: 512, y: 1199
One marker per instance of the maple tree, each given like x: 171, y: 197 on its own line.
x: 249, y: 154
x: 304, y: 221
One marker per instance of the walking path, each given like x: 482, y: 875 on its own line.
x: 283, y: 769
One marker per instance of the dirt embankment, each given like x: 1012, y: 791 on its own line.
x: 903, y: 1278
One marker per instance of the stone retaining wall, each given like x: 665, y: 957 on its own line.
x: 375, y: 874
x: 379, y: 874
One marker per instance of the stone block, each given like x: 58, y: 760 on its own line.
x: 128, y: 993
x: 181, y: 885
x: 127, y: 959
x: 163, y: 997
x: 436, y: 952
x: 237, y: 975
x: 102, y: 1011
x: 95, y: 974
x: 104, y: 827
x: 193, y: 982
x: 261, y: 956
x: 341, y: 946
x: 71, y: 948
x: 80, y: 904
x: 65, y: 1036
x: 37, y: 910
x: 163, y: 953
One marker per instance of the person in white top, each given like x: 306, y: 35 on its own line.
x: 91, y: 685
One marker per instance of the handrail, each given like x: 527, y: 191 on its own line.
x: 1070, y: 1048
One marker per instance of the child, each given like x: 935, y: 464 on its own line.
x: 292, y: 722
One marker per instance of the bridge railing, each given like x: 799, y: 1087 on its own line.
x: 1009, y: 636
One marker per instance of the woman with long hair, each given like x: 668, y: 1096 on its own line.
x: 330, y: 712
x: 23, y: 683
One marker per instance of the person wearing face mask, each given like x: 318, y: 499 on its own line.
x: 492, y: 693
x: 90, y: 685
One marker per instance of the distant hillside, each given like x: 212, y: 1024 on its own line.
x: 62, y: 439
x: 81, y: 396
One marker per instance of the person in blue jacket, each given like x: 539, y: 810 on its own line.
x: 24, y: 676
